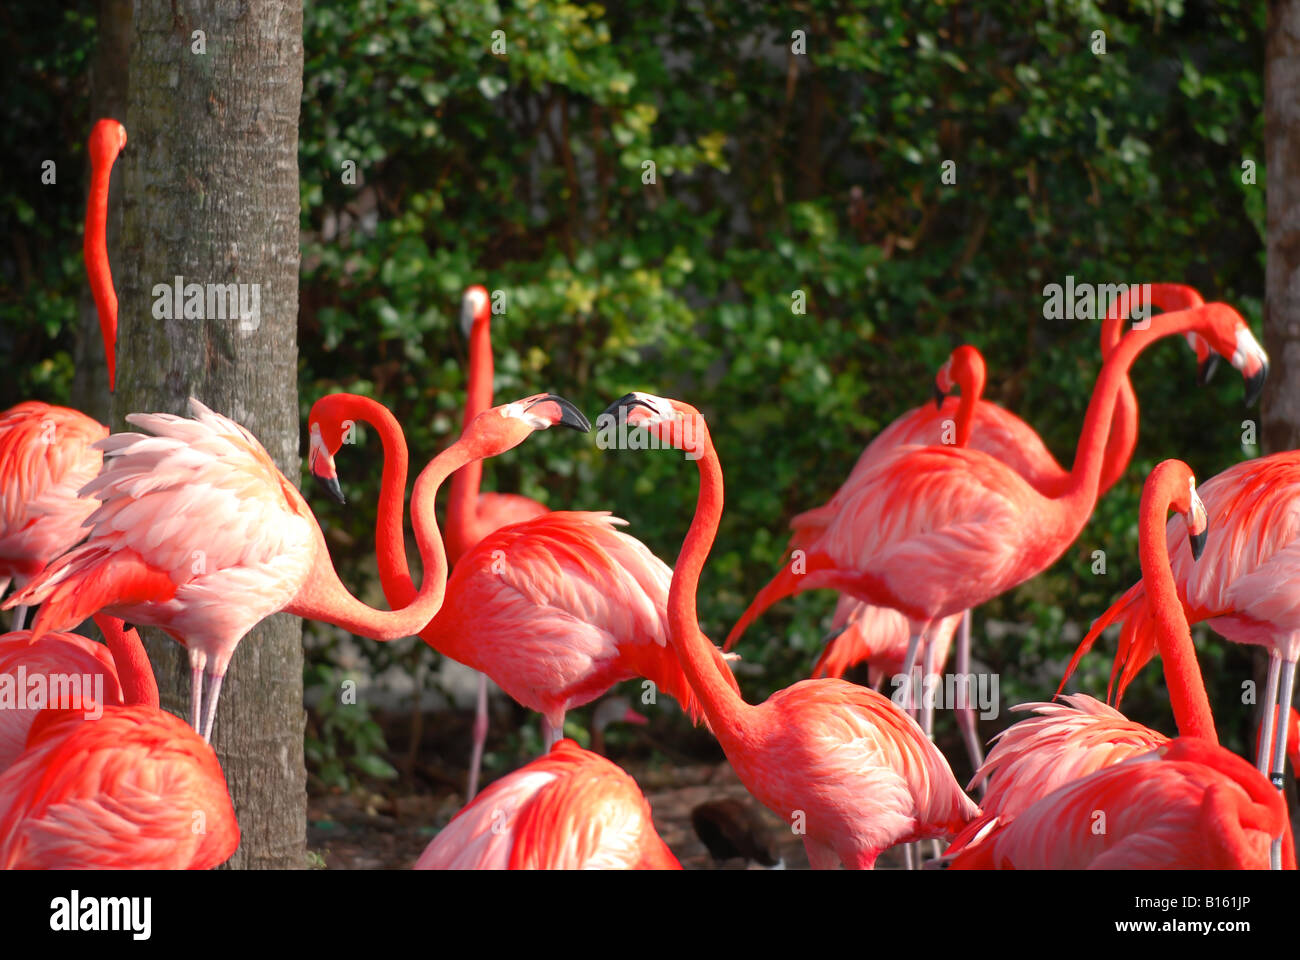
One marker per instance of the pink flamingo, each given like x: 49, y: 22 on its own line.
x: 200, y: 534
x: 953, y: 527
x: 843, y: 765
x: 134, y: 788
x: 1065, y: 742
x: 861, y: 631
x: 1189, y: 803
x: 471, y: 514
x: 45, y: 451
x: 1243, y: 590
x: 567, y: 810
x: 555, y: 610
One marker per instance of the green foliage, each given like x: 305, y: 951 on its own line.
x: 774, y: 173
x: 343, y: 743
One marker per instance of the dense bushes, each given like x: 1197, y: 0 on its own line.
x: 774, y: 172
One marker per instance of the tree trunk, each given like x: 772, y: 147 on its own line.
x: 108, y: 86
x: 210, y: 194
x: 1281, y: 402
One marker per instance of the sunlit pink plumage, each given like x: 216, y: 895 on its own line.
x: 567, y: 810
x: 839, y: 762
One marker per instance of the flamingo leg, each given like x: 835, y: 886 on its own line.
x: 909, y: 858
x: 552, y: 733
x: 1286, y: 692
x: 966, y: 718
x: 196, y: 695
x: 1268, y: 712
x: 909, y: 664
x: 210, y: 703
x: 927, y: 706
x: 20, y: 617
x: 480, y: 737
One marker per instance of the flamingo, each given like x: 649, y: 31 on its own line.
x: 556, y: 610
x: 954, y: 527
x: 45, y: 451
x: 200, y: 534
x: 1187, y: 803
x: 839, y: 762
x: 133, y: 789
x: 1243, y: 591
x: 1292, y: 739
x: 472, y: 515
x: 879, y: 635
x: 567, y: 810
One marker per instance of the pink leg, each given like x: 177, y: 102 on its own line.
x: 210, y: 705
x: 552, y: 733
x: 966, y: 715
x: 1285, y: 693
x: 196, y: 696
x: 20, y: 617
x: 480, y: 737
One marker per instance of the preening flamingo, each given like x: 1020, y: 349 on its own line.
x: 953, y: 527
x: 132, y: 789
x: 45, y: 451
x: 1243, y: 587
x: 200, y: 534
x: 556, y: 610
x: 839, y: 762
x: 1186, y: 803
x: 567, y: 810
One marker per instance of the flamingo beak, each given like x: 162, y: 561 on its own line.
x: 627, y: 401
x: 466, y: 315
x: 1197, y: 541
x: 938, y: 398
x: 1206, y: 371
x: 631, y: 716
x: 332, y: 487
x: 570, y: 416
x: 1255, y: 384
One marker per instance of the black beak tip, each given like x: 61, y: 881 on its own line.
x: 1206, y: 371
x: 570, y: 416
x: 1197, y: 541
x: 1255, y: 385
x: 938, y: 398
x: 332, y: 487
x: 627, y: 400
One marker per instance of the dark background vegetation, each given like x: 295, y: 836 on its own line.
x: 775, y: 172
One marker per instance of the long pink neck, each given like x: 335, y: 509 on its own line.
x: 729, y: 716
x: 1123, y: 437
x: 134, y: 671
x: 462, y: 508
x: 95, y: 251
x: 1182, y: 672
x: 1076, y: 501
x: 390, y: 538
x: 325, y: 598
x: 971, y: 392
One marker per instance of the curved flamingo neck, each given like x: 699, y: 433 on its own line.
x: 95, y: 252
x: 462, y: 507
x: 324, y: 597
x: 1187, y: 693
x: 728, y: 714
x: 1080, y: 493
x: 134, y: 671
x: 390, y: 540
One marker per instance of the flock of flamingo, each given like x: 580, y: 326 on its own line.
x: 952, y: 505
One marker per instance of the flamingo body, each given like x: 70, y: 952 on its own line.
x: 568, y: 810
x: 134, y: 789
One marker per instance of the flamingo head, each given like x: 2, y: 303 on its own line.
x: 1227, y: 333
x: 963, y: 369
x: 328, y: 428
x: 107, y: 138
x: 1184, y: 499
x: 616, y: 710
x: 671, y: 422
x: 1207, y: 361
x: 474, y: 308
x: 508, y: 425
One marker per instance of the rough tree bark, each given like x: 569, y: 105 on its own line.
x: 1281, y: 402
x: 108, y: 86
x: 210, y: 193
